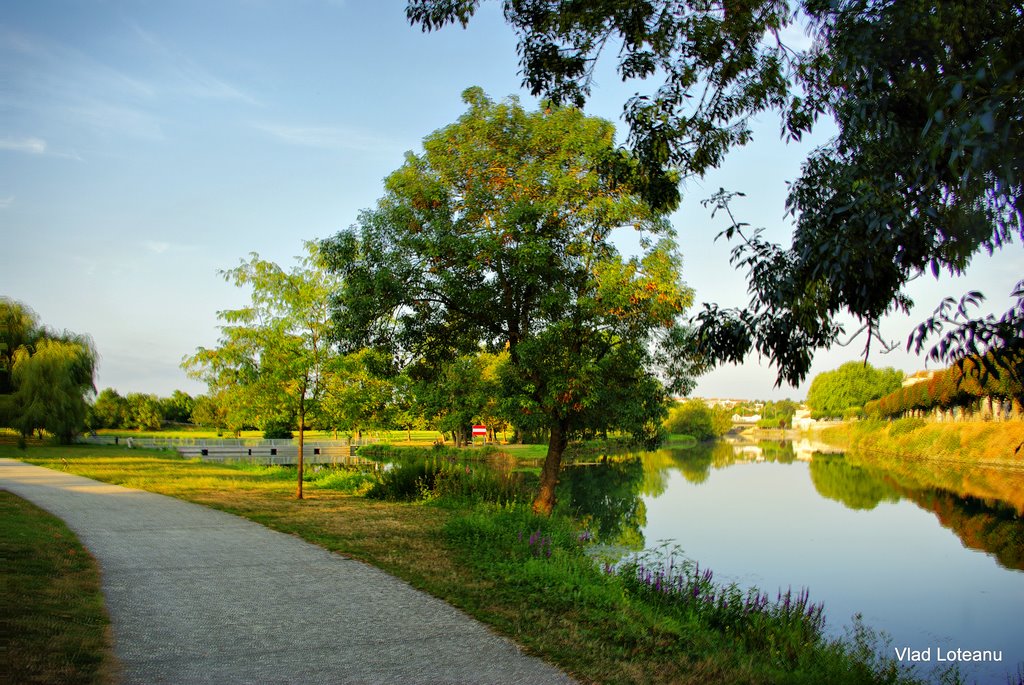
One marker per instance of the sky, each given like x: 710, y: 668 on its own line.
x: 146, y: 145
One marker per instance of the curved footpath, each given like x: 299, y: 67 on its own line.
x: 200, y: 596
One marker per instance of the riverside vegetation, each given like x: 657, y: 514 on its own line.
x: 978, y: 442
x: 467, y: 535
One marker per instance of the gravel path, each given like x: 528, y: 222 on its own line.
x: 200, y: 596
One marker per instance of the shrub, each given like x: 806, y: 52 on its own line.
x: 354, y: 481
x: 853, y: 413
x: 277, y: 430
x: 696, y: 419
x: 451, y: 480
x: 904, y: 426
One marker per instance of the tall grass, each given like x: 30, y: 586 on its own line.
x: 975, y: 442
x: 447, y: 479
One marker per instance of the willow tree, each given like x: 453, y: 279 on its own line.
x: 46, y: 378
x: 499, y: 234
x: 273, y: 354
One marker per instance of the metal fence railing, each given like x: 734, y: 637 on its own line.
x: 257, y: 450
x: 214, y: 442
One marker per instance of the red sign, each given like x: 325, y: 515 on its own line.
x: 479, y: 430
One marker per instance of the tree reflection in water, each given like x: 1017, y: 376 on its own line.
x: 606, y: 499
x: 976, y: 504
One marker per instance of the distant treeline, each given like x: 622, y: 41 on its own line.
x: 989, y: 386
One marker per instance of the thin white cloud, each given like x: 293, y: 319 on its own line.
x: 328, y: 138
x: 160, y: 247
x: 31, y: 146
x: 117, y: 119
x: 156, y: 246
x: 6, y: 202
x: 188, y: 76
x: 35, y: 146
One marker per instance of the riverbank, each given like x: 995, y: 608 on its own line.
x: 529, y: 578
x: 985, y: 443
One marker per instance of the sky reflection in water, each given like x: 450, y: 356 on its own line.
x: 930, y: 566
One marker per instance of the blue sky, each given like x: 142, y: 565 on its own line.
x: 144, y: 145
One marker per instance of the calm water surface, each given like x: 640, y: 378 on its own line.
x: 929, y: 554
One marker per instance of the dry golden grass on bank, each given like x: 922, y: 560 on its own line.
x: 977, y: 442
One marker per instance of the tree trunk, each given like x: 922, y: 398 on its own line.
x: 302, y: 428
x: 545, y: 501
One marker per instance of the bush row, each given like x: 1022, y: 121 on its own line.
x: 964, y: 386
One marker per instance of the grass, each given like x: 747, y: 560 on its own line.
x: 530, y: 578
x: 974, y: 442
x: 54, y: 625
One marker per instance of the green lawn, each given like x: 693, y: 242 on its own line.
x: 54, y: 625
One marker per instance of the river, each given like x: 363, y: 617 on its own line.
x: 930, y: 555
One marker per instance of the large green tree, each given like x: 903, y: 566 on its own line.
x: 454, y: 395
x: 46, y: 378
x: 851, y: 386
x: 19, y: 328
x: 696, y: 419
x: 178, y: 407
x: 273, y: 355
x: 110, y: 410
x: 144, y: 411
x: 924, y: 172
x: 499, y: 234
x: 360, y: 393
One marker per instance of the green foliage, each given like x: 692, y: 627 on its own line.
x: 277, y: 430
x: 110, y: 410
x: 777, y: 414
x: 696, y: 419
x: 499, y: 234
x: 208, y: 411
x: 46, y: 378
x: 837, y: 479
x: 923, y: 173
x: 19, y: 329
x: 448, y: 480
x: 144, y: 411
x: 360, y: 392
x: 454, y: 395
x: 178, y: 407
x: 273, y: 355
x: 962, y: 385
x: 905, y: 425
x: 717, y: 71
x: 352, y: 481
x: 851, y: 386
